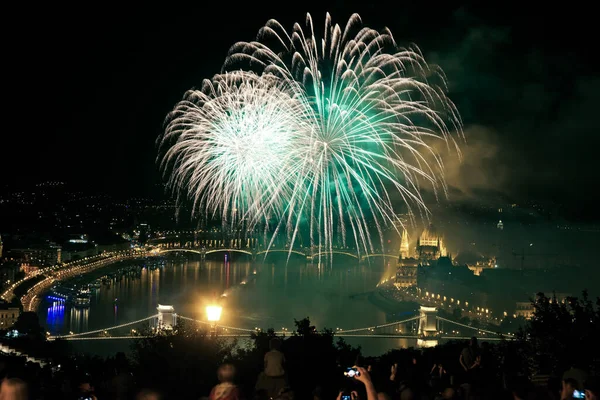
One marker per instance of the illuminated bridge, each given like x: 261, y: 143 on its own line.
x: 427, y: 327
x: 307, y: 253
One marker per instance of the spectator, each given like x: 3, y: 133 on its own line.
x: 317, y: 393
x: 592, y: 389
x: 415, y: 377
x: 285, y: 394
x: 122, y: 383
x: 576, y: 374
x: 407, y: 394
x: 364, y: 377
x: 261, y: 394
x: 447, y: 394
x: 86, y: 389
x: 589, y: 395
x: 13, y: 389
x: 383, y: 396
x: 569, y: 386
x: 487, y: 362
x: 519, y: 389
x: 226, y: 389
x: 438, y: 377
x: 392, y: 382
x: 413, y: 372
x: 273, y: 378
x: 470, y: 359
x: 353, y: 395
x: 147, y: 394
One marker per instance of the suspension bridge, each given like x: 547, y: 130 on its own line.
x: 427, y: 328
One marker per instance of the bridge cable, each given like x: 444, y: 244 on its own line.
x: 472, y: 327
x: 381, y: 326
x: 219, y: 326
x: 102, y: 330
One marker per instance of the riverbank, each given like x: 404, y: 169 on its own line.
x: 32, y: 298
x: 394, y: 310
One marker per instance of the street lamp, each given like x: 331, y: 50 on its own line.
x: 213, y: 314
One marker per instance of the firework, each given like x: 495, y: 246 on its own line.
x: 374, y: 110
x: 232, y: 147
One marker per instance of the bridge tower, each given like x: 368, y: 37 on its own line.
x: 167, y: 318
x: 428, y: 331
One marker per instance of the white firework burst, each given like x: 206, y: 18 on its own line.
x: 374, y: 109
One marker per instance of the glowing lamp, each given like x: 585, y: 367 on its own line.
x: 213, y: 313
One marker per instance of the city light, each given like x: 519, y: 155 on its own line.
x: 213, y: 313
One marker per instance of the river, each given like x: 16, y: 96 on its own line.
x: 256, y: 295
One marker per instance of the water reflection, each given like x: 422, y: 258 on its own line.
x: 55, y: 316
x: 257, y: 294
x: 79, y: 319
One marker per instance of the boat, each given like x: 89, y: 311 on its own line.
x: 94, y: 285
x: 65, y: 294
x: 82, y: 299
x: 61, y: 293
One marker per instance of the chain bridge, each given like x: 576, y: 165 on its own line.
x: 426, y: 327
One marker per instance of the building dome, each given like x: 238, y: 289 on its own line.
x: 430, y: 244
x: 430, y: 233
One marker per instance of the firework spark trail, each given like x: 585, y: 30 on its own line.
x: 373, y: 108
x: 231, y: 145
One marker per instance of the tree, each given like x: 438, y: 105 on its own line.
x: 314, y: 360
x: 182, y: 362
x: 303, y: 327
x: 563, y: 334
x: 28, y: 324
x: 456, y: 314
x: 511, y: 324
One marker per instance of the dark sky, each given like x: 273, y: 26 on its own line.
x: 86, y: 90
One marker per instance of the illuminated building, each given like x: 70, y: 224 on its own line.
x: 142, y: 232
x: 77, y: 251
x: 28, y: 268
x: 524, y: 309
x: 430, y: 245
x: 407, y: 272
x: 8, y: 316
x: 482, y: 264
x: 42, y: 256
x: 79, y: 238
x: 404, y: 247
x: 8, y: 270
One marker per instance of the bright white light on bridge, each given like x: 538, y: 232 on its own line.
x: 213, y: 313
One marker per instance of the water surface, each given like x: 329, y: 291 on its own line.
x: 257, y: 295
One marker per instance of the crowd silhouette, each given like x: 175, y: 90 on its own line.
x: 189, y: 363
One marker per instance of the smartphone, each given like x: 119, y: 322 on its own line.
x: 578, y: 395
x: 346, y: 397
x: 351, y: 373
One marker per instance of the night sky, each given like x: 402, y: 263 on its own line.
x: 86, y: 90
